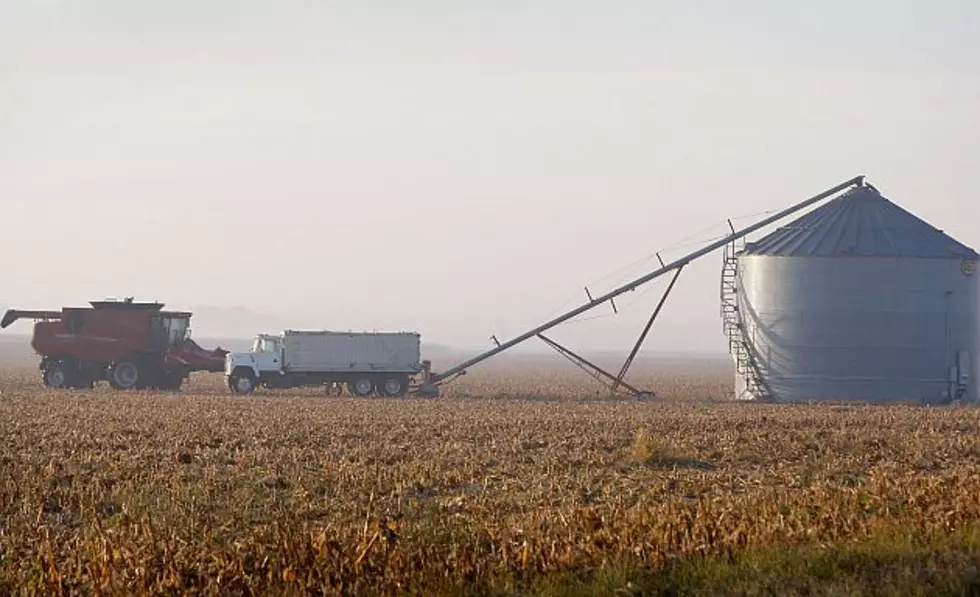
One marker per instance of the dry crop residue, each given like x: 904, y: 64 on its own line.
x: 148, y: 493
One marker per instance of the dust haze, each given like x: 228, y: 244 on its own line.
x: 461, y: 171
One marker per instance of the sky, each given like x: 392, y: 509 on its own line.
x: 461, y: 169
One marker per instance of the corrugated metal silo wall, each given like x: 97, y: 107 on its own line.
x: 860, y: 328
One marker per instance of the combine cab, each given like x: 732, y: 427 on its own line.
x: 130, y: 345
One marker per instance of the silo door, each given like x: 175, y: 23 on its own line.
x: 962, y: 372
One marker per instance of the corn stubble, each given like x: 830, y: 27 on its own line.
x: 203, y: 493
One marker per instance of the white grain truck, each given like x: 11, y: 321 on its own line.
x: 368, y: 363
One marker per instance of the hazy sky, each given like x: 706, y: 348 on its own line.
x: 457, y: 168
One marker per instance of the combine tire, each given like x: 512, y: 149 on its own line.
x: 241, y: 382
x: 57, y: 375
x: 362, y: 388
x: 394, y: 387
x: 124, y: 375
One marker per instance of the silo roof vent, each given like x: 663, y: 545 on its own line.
x: 862, y: 223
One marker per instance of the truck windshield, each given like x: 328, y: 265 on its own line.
x: 263, y: 344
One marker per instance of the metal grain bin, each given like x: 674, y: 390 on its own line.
x: 856, y: 300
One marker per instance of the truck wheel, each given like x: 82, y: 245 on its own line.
x: 394, y: 387
x: 124, y: 375
x: 57, y: 376
x: 361, y: 388
x: 241, y: 383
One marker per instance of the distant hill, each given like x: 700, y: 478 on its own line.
x: 15, y: 347
x: 232, y: 322
x: 15, y: 350
x: 240, y: 322
x: 233, y: 328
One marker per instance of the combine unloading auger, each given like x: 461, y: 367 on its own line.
x: 13, y: 315
x: 615, y: 382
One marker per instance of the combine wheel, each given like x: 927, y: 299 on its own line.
x: 394, y: 387
x: 124, y: 375
x: 241, y: 382
x: 57, y: 375
x: 362, y: 387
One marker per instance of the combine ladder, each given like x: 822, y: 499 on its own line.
x: 746, y: 361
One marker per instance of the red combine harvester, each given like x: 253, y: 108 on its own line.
x: 130, y: 345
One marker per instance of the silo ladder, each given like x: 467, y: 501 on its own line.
x: 746, y: 363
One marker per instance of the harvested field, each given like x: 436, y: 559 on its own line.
x: 526, y: 483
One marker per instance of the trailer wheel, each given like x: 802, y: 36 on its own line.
x: 124, y: 375
x: 57, y: 376
x: 241, y: 382
x: 394, y: 387
x: 361, y: 388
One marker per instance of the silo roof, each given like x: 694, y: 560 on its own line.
x: 861, y: 222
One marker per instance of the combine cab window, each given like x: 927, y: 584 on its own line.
x: 180, y: 330
x: 167, y: 332
x: 73, y: 320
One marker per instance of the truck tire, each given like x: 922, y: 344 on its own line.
x: 241, y: 382
x: 58, y: 375
x: 394, y: 387
x: 361, y: 387
x: 125, y: 375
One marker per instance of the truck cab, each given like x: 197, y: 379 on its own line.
x: 268, y: 344
x: 264, y: 358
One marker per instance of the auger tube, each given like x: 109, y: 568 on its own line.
x: 13, y: 315
x: 629, y: 286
